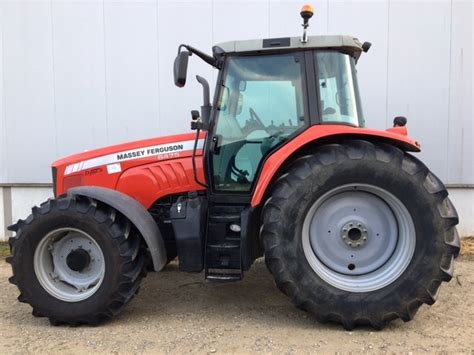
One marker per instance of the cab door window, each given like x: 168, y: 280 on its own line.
x: 262, y: 104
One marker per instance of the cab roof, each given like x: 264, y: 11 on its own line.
x: 346, y: 43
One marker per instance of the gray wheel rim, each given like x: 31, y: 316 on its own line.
x: 358, y: 237
x: 69, y: 264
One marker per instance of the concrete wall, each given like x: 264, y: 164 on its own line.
x: 463, y: 200
x: 16, y: 203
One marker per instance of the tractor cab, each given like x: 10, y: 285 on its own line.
x: 268, y: 92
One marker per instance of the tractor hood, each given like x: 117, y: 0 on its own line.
x: 103, y: 166
x: 154, y: 147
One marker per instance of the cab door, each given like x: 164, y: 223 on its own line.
x: 262, y: 103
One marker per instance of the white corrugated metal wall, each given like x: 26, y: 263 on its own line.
x: 84, y: 74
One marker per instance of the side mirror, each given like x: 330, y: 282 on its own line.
x: 181, y: 68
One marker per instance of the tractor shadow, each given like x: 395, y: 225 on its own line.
x: 171, y: 294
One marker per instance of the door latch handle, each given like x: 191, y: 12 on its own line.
x: 215, y: 144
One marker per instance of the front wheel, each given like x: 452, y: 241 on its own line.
x: 76, y: 261
x: 360, y: 233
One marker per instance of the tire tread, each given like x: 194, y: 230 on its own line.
x: 131, y: 253
x: 354, y: 150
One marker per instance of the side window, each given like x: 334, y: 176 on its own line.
x: 338, y: 88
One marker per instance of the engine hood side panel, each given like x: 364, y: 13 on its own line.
x: 148, y: 183
x: 104, y: 167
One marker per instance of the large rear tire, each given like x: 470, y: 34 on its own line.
x: 76, y: 261
x: 360, y: 234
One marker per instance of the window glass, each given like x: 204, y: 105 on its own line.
x: 339, y: 92
x: 261, y: 104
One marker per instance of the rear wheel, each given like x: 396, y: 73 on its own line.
x: 76, y: 261
x: 360, y: 233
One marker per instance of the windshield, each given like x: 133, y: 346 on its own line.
x: 338, y: 89
x: 261, y: 104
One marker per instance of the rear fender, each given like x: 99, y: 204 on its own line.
x: 319, y: 134
x: 136, y: 214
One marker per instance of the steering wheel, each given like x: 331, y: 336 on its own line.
x: 254, y: 116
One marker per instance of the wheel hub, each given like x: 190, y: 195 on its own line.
x: 354, y: 234
x: 69, y: 264
x: 340, y: 229
x: 358, y: 237
x: 78, y: 259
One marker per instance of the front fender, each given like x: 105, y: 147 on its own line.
x: 136, y: 214
x: 316, y: 134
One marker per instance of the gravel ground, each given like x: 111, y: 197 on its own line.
x: 177, y: 313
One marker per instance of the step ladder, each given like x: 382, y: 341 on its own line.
x: 223, y: 247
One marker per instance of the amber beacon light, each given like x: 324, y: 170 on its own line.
x: 306, y: 13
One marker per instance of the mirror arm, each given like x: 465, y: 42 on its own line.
x: 205, y: 57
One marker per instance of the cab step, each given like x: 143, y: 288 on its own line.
x: 221, y: 276
x: 223, y: 244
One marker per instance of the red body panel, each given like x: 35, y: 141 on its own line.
x: 158, y: 170
x: 146, y: 177
x: 397, y: 135
x: 150, y: 182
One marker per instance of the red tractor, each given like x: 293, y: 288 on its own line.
x: 353, y: 227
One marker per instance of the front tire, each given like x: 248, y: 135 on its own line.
x: 360, y: 234
x: 76, y: 261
